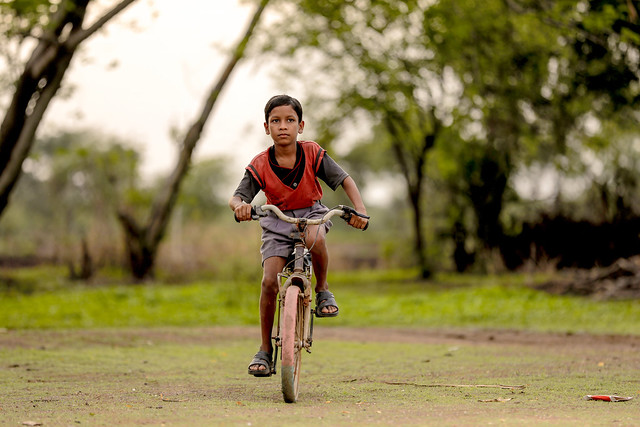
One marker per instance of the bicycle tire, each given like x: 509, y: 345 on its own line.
x: 292, y: 331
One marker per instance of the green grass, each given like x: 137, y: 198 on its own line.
x: 371, y: 298
x: 487, y: 304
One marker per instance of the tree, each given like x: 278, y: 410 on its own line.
x: 142, y: 241
x: 58, y: 29
x: 596, y: 90
x: 501, y: 60
x: 546, y: 80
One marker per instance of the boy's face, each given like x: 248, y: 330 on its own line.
x: 283, y: 125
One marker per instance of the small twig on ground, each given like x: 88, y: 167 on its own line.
x: 168, y: 399
x: 498, y: 399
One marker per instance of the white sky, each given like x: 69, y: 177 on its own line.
x: 164, y: 71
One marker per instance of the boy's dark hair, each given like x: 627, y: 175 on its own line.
x: 279, y: 101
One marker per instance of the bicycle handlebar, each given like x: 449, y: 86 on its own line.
x: 345, y: 212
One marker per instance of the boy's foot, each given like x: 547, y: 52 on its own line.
x: 261, y: 365
x: 324, y: 302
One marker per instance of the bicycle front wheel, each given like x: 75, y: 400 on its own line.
x: 292, y: 331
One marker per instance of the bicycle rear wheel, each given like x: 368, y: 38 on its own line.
x: 292, y: 334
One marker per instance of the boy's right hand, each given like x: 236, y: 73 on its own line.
x: 242, y: 212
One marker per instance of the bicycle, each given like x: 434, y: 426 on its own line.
x: 294, y: 329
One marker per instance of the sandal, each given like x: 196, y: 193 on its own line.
x: 262, y: 358
x: 325, y: 299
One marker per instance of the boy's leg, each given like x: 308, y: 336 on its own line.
x: 315, y: 239
x: 268, y: 293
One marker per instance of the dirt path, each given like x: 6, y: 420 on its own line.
x: 33, y: 338
x: 356, y: 376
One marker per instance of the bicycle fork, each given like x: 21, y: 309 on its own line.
x: 300, y: 277
x: 306, y: 340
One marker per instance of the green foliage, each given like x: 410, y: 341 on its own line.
x: 25, y: 15
x: 367, y: 298
x: 603, y: 40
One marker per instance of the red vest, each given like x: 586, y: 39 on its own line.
x: 284, y: 197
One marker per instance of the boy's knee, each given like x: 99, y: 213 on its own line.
x: 316, y: 242
x: 319, y: 246
x: 270, y: 284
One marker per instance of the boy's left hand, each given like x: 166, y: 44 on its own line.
x: 358, y: 222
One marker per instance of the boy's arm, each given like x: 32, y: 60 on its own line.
x: 351, y: 189
x: 246, y: 191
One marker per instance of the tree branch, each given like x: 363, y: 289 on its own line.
x: 79, y: 36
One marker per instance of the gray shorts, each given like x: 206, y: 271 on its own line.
x: 276, y: 234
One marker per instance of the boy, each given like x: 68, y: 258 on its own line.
x: 288, y: 173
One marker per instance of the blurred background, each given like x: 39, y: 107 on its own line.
x: 486, y: 137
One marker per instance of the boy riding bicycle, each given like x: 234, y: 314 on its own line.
x: 288, y: 172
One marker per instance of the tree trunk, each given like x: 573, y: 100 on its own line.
x: 412, y: 163
x: 486, y: 196
x: 39, y: 83
x: 86, y: 264
x: 415, y: 196
x: 142, y: 242
x: 140, y: 252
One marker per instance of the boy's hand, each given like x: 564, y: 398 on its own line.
x: 359, y: 218
x: 358, y: 222
x: 243, y: 212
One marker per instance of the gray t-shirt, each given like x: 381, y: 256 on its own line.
x: 329, y: 172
